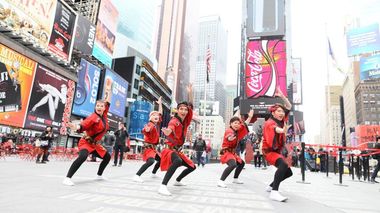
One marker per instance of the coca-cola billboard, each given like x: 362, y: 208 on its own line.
x: 265, y: 68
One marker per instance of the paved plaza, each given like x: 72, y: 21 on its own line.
x: 29, y: 187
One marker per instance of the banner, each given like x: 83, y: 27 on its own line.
x: 296, y: 79
x: 87, y: 89
x: 84, y: 36
x: 366, y: 133
x: 118, y: 98
x: 51, y: 98
x: 63, y: 30
x: 363, y: 40
x: 105, y: 32
x: 139, y: 118
x: 265, y: 68
x: 33, y: 18
x: 16, y: 77
x: 370, y: 67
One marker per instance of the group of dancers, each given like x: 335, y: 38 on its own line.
x: 171, y: 157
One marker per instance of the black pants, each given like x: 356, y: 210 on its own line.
x: 283, y: 172
x: 199, y: 158
x: 257, y: 159
x: 232, y: 164
x: 148, y: 163
x: 118, y: 148
x: 376, y: 170
x: 83, y: 154
x: 177, y: 162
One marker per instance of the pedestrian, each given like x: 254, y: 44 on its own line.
x: 46, y: 139
x: 94, y: 126
x: 274, y: 132
x: 151, y: 133
x: 109, y: 141
x: 172, y: 157
x: 236, y: 132
x: 199, y: 147
x: 377, y: 157
x: 121, y: 145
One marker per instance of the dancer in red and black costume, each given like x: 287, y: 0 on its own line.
x: 237, y: 131
x: 94, y: 126
x: 274, y: 137
x: 172, y: 157
x: 151, y: 133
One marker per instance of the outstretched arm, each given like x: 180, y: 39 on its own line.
x: 287, y: 103
x: 160, y: 105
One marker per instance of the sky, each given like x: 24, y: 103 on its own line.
x: 311, y: 23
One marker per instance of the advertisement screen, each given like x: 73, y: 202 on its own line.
x: 63, y: 30
x: 366, y: 133
x: 105, y: 32
x: 34, y: 18
x: 259, y: 105
x: 84, y: 36
x: 118, y: 98
x: 50, y: 99
x: 296, y: 79
x: 87, y: 89
x: 16, y: 77
x: 140, y: 116
x: 212, y: 108
x: 363, y: 40
x: 370, y: 67
x: 265, y: 68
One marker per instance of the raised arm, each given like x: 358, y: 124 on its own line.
x: 287, y: 103
x: 159, y: 102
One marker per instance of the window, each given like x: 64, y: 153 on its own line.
x: 138, y: 69
x: 136, y: 84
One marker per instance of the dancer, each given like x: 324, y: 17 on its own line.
x: 237, y: 131
x: 274, y: 137
x: 95, y: 126
x: 151, y: 133
x: 172, y: 157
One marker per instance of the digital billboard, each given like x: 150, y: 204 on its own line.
x: 265, y: 68
x: 370, y: 67
x: 33, y: 18
x: 84, y: 35
x: 105, y: 32
x: 363, y: 40
x: 16, y: 77
x: 139, y: 118
x: 87, y: 89
x: 63, y: 30
x: 259, y: 105
x: 51, y: 97
x: 118, y: 98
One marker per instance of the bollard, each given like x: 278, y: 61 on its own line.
x: 327, y: 164
x: 340, y: 168
x: 334, y: 165
x: 302, y: 163
x: 352, y: 167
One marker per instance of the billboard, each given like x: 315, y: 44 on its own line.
x: 265, y: 18
x: 259, y: 105
x: 363, y: 40
x: 63, y: 30
x: 16, y: 77
x: 139, y: 118
x: 265, y: 68
x: 212, y: 108
x: 366, y: 133
x: 34, y: 18
x: 105, y: 32
x: 118, y: 98
x: 296, y: 79
x: 50, y: 97
x: 87, y: 89
x: 370, y: 67
x: 84, y: 35
x: 299, y: 123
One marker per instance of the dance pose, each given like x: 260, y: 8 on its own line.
x: 151, y: 133
x: 274, y: 137
x: 237, y: 131
x: 94, y: 126
x: 172, y: 157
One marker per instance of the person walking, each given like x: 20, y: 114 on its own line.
x: 199, y: 147
x: 46, y: 139
x: 122, y: 138
x: 377, y: 157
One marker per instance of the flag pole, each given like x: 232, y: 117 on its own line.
x: 205, y: 92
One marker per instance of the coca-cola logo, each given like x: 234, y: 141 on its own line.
x: 254, y: 83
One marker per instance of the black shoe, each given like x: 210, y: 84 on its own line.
x: 374, y: 181
x: 119, y: 165
x: 44, y: 162
x: 113, y: 164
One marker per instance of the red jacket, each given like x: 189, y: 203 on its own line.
x: 179, y: 129
x: 272, y: 141
x: 153, y: 135
x: 240, y: 134
x: 96, y: 124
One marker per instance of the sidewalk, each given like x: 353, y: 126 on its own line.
x: 30, y: 187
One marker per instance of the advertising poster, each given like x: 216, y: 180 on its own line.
x: 370, y: 67
x: 63, y: 31
x: 16, y: 77
x: 50, y: 97
x: 87, y: 89
x: 105, y: 32
x: 34, y: 18
x: 140, y: 116
x: 118, y: 98
x: 363, y: 40
x: 366, y: 133
x: 84, y: 35
x: 265, y: 68
x: 296, y: 79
